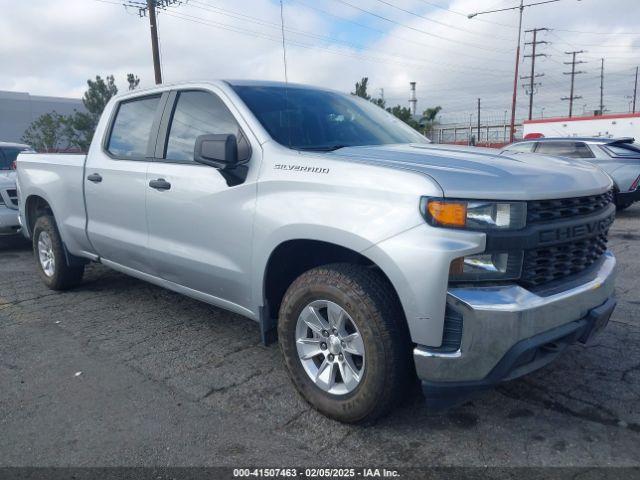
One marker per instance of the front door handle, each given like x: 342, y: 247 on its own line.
x: 95, y: 178
x: 160, y: 184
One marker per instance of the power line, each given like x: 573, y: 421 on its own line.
x: 465, y: 15
x: 253, y: 33
x: 344, y: 2
x: 389, y: 34
x: 330, y: 39
x: 149, y: 8
x: 596, y: 33
x: 437, y: 22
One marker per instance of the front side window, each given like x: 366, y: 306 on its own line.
x: 132, y: 127
x: 312, y: 119
x: 197, y: 113
x: 565, y: 149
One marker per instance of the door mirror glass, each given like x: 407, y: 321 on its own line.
x: 216, y: 150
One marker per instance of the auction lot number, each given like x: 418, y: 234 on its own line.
x: 316, y: 472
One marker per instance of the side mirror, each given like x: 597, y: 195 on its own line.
x: 218, y: 151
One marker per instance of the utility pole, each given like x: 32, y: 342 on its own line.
x: 601, y: 86
x: 478, y: 122
x: 155, y: 50
x: 151, y: 8
x: 573, y: 73
x: 532, y: 84
x: 512, y: 126
x: 521, y: 7
x: 635, y: 91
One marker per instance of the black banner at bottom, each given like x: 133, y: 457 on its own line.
x: 223, y: 473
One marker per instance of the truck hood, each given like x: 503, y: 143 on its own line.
x: 484, y: 173
x: 7, y: 179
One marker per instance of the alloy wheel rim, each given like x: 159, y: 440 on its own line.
x: 330, y: 347
x: 45, y: 254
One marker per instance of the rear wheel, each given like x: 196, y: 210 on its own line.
x: 50, y: 258
x: 344, y: 342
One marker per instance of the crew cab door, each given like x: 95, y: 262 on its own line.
x: 115, y: 181
x: 200, y: 224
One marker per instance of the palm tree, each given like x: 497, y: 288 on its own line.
x: 428, y: 119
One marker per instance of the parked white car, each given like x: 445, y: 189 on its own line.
x: 9, y: 224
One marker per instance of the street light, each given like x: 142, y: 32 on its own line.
x: 521, y: 7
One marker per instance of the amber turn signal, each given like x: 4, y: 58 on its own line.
x: 451, y: 214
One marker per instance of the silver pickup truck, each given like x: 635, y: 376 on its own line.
x: 374, y: 256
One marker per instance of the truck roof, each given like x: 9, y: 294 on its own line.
x: 268, y: 83
x: 219, y: 82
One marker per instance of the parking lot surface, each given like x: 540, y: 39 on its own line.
x: 120, y: 372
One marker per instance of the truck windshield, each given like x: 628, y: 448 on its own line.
x: 311, y: 119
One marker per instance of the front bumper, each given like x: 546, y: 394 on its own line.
x: 625, y: 198
x: 9, y: 224
x: 496, y: 319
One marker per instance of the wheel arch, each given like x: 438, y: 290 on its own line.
x: 289, y: 259
x: 34, y: 207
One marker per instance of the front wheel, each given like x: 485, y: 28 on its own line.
x: 344, y: 341
x: 50, y: 258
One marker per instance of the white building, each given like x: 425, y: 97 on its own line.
x: 608, y: 126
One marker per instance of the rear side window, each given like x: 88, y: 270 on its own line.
x: 565, y: 149
x: 197, y: 113
x: 132, y: 127
x: 624, y: 149
x: 521, y: 147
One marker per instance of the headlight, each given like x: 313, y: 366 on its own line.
x: 486, y: 267
x: 474, y: 214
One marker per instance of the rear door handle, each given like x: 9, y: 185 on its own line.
x: 160, y: 184
x: 95, y: 178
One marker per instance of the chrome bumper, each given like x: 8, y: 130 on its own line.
x: 497, y: 318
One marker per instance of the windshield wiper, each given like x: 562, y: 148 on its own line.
x: 323, y: 148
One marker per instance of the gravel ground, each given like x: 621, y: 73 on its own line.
x: 119, y: 372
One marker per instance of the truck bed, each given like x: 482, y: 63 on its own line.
x: 58, y: 179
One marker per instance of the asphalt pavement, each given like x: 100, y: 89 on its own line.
x: 119, y: 372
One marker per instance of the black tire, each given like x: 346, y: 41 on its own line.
x: 371, y: 303
x: 624, y: 206
x: 64, y: 276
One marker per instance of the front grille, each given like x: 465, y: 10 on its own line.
x: 542, y: 211
x: 546, y: 264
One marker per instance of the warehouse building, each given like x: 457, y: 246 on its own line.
x: 19, y: 109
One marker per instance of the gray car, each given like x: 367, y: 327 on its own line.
x: 8, y: 194
x: 619, y: 157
